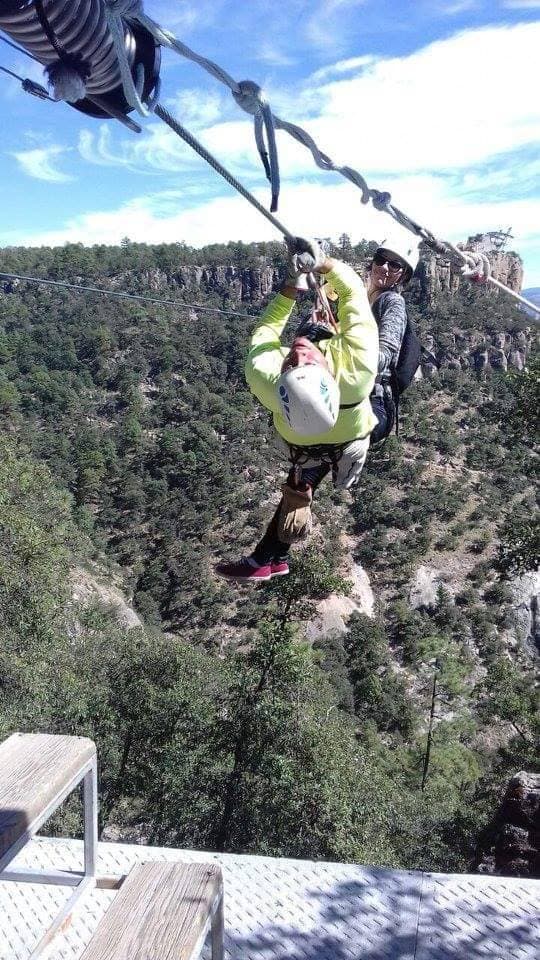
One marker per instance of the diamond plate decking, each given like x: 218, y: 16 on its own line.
x: 277, y: 909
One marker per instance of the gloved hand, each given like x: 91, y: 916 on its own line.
x: 305, y: 256
x: 300, y: 281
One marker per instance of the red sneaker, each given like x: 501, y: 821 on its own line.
x: 243, y: 571
x: 279, y: 568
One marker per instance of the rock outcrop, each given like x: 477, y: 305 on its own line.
x: 424, y: 592
x: 246, y: 285
x: 333, y: 612
x: 86, y: 589
x: 511, y: 846
x: 525, y: 628
x: 476, y: 351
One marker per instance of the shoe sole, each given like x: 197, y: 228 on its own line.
x: 246, y: 579
x: 280, y: 573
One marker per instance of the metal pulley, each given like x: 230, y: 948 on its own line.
x: 76, y: 34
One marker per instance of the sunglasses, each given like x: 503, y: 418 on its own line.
x: 380, y: 260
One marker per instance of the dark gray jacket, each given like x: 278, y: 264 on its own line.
x: 391, y: 316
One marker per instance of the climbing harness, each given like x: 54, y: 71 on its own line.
x: 114, y: 48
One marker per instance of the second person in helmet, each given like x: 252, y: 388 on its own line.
x: 392, y: 267
x: 318, y: 394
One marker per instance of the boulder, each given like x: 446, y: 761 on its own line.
x: 525, y: 625
x: 424, y: 590
x: 516, y: 359
x: 480, y: 360
x: 86, y: 589
x: 511, y: 844
x: 333, y: 612
x: 497, y: 359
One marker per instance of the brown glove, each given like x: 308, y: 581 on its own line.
x: 294, y: 522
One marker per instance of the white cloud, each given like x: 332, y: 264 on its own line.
x: 452, y: 104
x: 343, y: 66
x: 521, y: 4
x: 156, y: 150
x: 327, y: 26
x: 458, y: 6
x: 40, y: 163
x: 183, y: 17
x: 270, y: 54
x: 447, y: 106
x: 198, y: 108
x: 307, y: 209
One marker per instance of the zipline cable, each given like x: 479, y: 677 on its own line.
x: 195, y: 145
x: 29, y: 86
x: 10, y: 73
x: 119, y: 295
x: 19, y: 49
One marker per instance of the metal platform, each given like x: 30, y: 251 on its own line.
x: 277, y: 909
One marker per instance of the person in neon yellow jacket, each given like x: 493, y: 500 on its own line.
x: 325, y: 420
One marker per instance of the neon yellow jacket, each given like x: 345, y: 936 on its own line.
x: 352, y: 356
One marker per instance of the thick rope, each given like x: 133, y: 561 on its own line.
x: 178, y: 304
x: 188, y: 138
x: 114, y: 11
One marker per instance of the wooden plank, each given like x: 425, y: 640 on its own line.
x: 159, y: 913
x: 34, y: 769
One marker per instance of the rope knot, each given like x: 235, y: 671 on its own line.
x: 476, y: 268
x: 380, y: 199
x: 250, y: 97
x: 67, y: 80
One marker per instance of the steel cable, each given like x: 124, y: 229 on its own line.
x: 121, y: 295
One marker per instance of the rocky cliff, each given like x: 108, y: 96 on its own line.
x: 511, y: 846
x: 460, y: 350
x: 241, y: 285
x: 477, y: 350
x: 454, y: 349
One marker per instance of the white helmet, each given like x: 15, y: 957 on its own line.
x: 404, y: 246
x: 308, y: 394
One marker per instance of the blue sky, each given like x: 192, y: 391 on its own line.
x: 434, y: 100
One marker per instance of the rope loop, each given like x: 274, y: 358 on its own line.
x: 251, y: 98
x: 114, y: 11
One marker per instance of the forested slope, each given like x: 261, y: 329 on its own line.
x: 132, y: 447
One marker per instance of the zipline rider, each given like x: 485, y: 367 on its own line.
x: 319, y: 397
